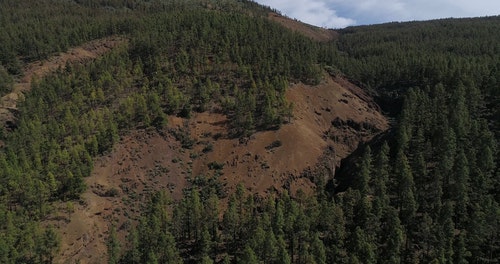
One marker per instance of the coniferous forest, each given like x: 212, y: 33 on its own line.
x: 426, y: 191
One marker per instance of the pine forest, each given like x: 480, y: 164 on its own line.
x: 425, y: 190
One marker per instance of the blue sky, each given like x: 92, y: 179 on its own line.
x: 342, y: 13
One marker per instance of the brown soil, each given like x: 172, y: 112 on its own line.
x: 83, y: 218
x: 334, y: 115
x: 143, y: 162
x: 313, y: 32
x: 38, y: 69
x: 303, y: 141
x: 147, y: 160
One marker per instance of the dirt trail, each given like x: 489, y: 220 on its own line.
x: 90, y: 50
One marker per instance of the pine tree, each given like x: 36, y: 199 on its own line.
x: 170, y: 253
x: 393, y: 238
x: 406, y: 189
x: 335, y: 233
x: 459, y: 119
x: 406, y: 201
x: 318, y: 250
x: 270, y: 249
x: 151, y: 258
x: 211, y: 215
x: 231, y: 223
x: 283, y: 256
x: 381, y: 178
x: 133, y: 256
x: 446, y: 233
x: 48, y: 245
x: 249, y: 256
x: 206, y: 260
x: 205, y: 244
x: 361, y: 247
x: 365, y: 170
x: 195, y: 213
x: 279, y: 218
x: 460, y: 189
x: 113, y: 247
x: 460, y: 250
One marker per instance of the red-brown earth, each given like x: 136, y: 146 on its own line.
x: 332, y: 117
x: 145, y: 161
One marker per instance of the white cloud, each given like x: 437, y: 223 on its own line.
x: 315, y: 12
x: 342, y: 13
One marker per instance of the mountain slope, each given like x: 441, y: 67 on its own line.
x: 316, y: 33
x: 214, y: 134
x: 146, y: 161
x: 39, y: 69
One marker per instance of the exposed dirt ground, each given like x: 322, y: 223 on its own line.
x: 262, y: 168
x: 144, y: 161
x: 149, y: 160
x: 334, y: 115
x: 90, y: 50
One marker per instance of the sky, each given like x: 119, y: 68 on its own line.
x: 343, y: 13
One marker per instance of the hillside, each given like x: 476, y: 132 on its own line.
x: 319, y: 34
x: 211, y: 131
x: 39, y: 69
x: 146, y: 161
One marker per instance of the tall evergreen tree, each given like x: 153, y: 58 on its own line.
x: 113, y: 247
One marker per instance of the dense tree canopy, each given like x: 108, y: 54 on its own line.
x: 429, y: 194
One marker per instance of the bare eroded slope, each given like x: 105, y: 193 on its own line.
x: 333, y: 116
